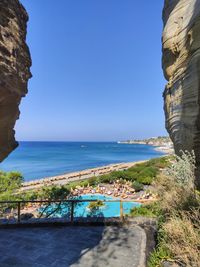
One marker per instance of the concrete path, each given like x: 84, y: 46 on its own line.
x: 93, y: 246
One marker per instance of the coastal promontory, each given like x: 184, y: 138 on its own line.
x: 181, y: 66
x: 15, y: 65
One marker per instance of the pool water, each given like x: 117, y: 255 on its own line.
x: 110, y: 209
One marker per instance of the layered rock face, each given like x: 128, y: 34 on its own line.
x: 15, y: 65
x: 181, y: 66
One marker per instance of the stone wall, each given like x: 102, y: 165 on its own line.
x: 15, y: 65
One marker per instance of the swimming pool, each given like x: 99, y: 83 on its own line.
x: 110, y: 209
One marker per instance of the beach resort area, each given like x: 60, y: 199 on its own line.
x: 121, y: 189
x: 77, y: 176
x: 130, y: 184
x: 99, y: 143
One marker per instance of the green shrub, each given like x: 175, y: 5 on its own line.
x: 142, y: 173
x: 116, y: 174
x: 106, y: 178
x: 149, y: 171
x: 158, y: 256
x: 29, y: 195
x: 150, y: 210
x: 55, y: 192
x: 96, y: 205
x: 161, y: 162
x: 130, y: 175
x: 84, y: 183
x: 10, y: 181
x: 145, y: 180
x: 93, y: 181
x: 179, y: 228
x: 137, y: 186
x: 183, y: 170
x: 138, y: 167
x: 176, y: 186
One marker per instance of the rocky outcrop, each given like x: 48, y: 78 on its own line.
x: 15, y: 65
x: 181, y: 66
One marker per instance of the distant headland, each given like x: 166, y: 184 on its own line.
x: 161, y: 143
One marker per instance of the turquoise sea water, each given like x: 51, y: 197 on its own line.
x: 110, y: 209
x: 42, y: 159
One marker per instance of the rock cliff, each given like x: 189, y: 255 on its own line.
x: 15, y: 65
x: 181, y: 66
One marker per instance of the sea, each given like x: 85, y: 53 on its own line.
x: 37, y: 160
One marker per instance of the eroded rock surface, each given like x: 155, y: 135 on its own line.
x: 15, y: 65
x: 181, y: 66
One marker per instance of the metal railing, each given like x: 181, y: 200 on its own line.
x: 18, y: 205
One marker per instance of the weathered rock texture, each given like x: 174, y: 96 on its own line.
x: 181, y: 66
x: 15, y: 65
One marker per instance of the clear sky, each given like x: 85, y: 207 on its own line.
x: 96, y: 71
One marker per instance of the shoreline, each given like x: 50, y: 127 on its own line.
x: 168, y: 150
x: 64, y: 179
x: 160, y: 144
x: 165, y: 149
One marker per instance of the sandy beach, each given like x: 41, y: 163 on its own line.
x: 165, y: 149
x: 76, y: 176
x: 161, y: 144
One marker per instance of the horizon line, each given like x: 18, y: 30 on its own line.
x: 78, y: 141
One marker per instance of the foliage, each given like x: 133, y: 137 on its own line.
x: 158, y: 256
x: 55, y: 192
x: 176, y: 187
x: 106, y: 178
x: 137, y: 186
x: 161, y: 162
x: 145, y: 180
x: 140, y: 175
x: 183, y: 236
x: 149, y: 210
x: 149, y: 171
x: 179, y: 230
x: 182, y: 170
x: 95, y: 205
x: 125, y: 175
x: 92, y: 181
x: 143, y: 173
x: 10, y: 181
x: 30, y: 195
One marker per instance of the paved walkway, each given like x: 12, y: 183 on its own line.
x: 93, y: 246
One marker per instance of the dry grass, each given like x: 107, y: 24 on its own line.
x: 180, y: 206
x: 183, y: 237
x: 175, y: 197
x: 176, y: 186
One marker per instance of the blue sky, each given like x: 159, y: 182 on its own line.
x: 96, y: 71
